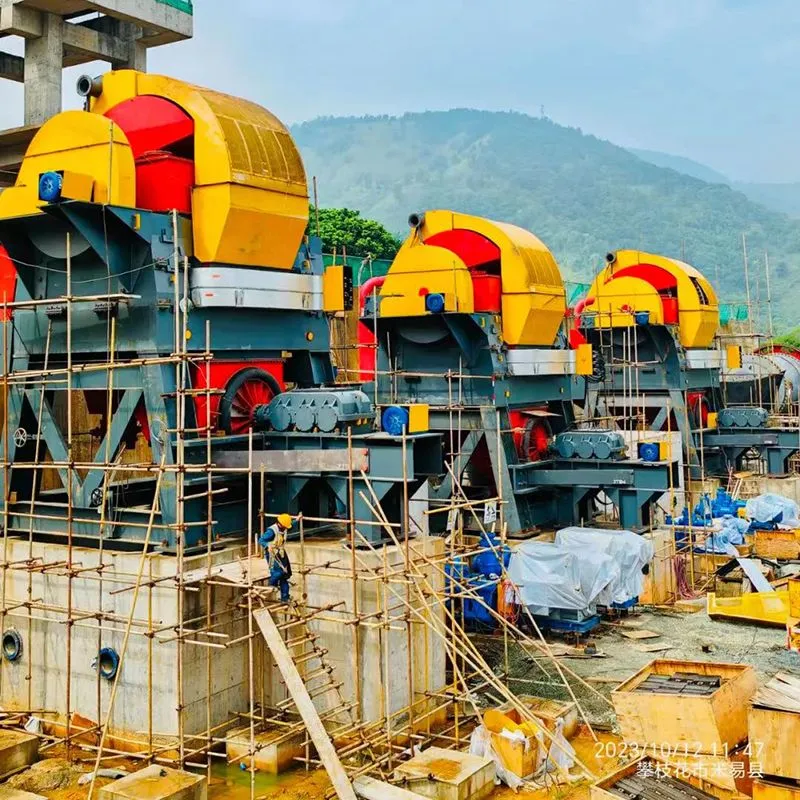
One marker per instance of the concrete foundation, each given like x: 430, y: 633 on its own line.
x: 786, y: 487
x: 17, y: 751
x: 370, y: 660
x: 274, y: 750
x: 157, y: 783
x: 7, y: 793
x: 381, y: 670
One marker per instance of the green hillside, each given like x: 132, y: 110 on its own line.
x: 783, y: 197
x: 582, y: 196
x: 694, y: 169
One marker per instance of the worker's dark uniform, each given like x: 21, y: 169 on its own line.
x: 280, y: 570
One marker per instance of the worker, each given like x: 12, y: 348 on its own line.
x: 273, y: 540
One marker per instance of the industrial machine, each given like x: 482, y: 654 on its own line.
x: 469, y: 321
x: 652, y: 322
x: 167, y: 285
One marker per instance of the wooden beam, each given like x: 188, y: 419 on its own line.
x: 302, y: 699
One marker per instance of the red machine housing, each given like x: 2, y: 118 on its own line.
x: 161, y: 135
x: 8, y: 285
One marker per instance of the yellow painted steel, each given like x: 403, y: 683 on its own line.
x: 418, y: 418
x: 94, y: 154
x: 533, y: 296
x: 421, y: 267
x: 733, y: 356
x: 766, y: 608
x: 250, y: 202
x: 333, y: 298
x: 583, y: 360
x: 698, y: 309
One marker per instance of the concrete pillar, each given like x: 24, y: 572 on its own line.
x: 44, y: 58
x: 132, y: 34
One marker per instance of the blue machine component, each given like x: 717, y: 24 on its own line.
x: 326, y: 410
x: 743, y: 417
x: 108, y: 663
x: 649, y: 451
x: 394, y: 419
x: 50, y: 186
x: 474, y: 611
x: 568, y: 622
x: 586, y: 444
x: 487, y: 563
x: 723, y: 504
x: 434, y: 303
x: 12, y: 645
x: 642, y: 317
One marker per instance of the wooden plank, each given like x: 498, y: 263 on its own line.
x: 653, y: 648
x: 299, y: 693
x: 776, y: 734
x: 640, y: 634
x: 371, y: 789
x: 297, y: 460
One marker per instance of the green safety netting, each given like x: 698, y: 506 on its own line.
x: 363, y: 269
x: 575, y: 291
x: 732, y: 312
x: 181, y: 5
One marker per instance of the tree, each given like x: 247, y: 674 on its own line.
x: 345, y: 228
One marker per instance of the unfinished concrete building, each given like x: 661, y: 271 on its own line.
x: 65, y: 33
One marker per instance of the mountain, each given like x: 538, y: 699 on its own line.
x: 783, y: 197
x: 582, y: 196
x: 686, y: 166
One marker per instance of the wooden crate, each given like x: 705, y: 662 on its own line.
x: 776, y: 544
x: 794, y: 596
x: 793, y: 634
x: 714, y: 723
x: 718, y: 775
x: 602, y: 789
x: 658, y: 586
x: 768, y: 789
x: 448, y: 775
x: 775, y: 741
x: 550, y: 711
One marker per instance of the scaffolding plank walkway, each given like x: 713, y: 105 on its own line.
x: 297, y: 689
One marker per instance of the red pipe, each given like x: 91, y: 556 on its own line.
x: 367, y: 341
x: 587, y: 301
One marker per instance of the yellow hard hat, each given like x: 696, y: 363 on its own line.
x: 285, y: 521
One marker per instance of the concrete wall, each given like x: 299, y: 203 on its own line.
x: 382, y: 652
x: 382, y: 656
x: 45, y: 645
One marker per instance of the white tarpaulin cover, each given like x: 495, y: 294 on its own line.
x: 769, y: 507
x: 628, y: 550
x: 548, y: 576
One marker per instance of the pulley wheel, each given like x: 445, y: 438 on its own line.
x: 536, y: 440
x: 245, y: 392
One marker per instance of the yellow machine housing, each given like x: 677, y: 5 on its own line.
x: 533, y: 296
x: 617, y: 298
x: 94, y: 154
x: 250, y: 198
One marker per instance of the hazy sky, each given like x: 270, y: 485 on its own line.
x: 714, y: 80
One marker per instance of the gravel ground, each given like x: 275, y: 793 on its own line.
x: 692, y: 637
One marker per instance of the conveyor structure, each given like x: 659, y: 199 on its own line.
x: 652, y: 322
x: 166, y: 283
x: 469, y: 321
